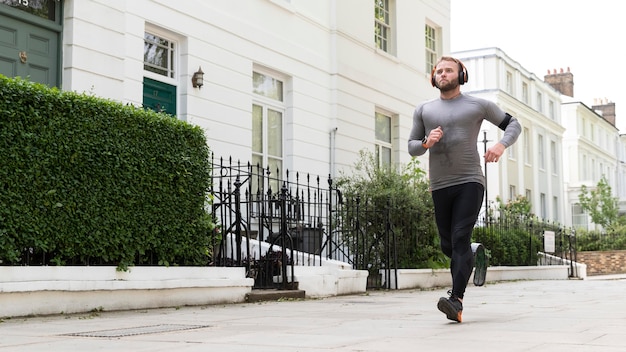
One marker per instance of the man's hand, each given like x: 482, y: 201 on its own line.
x: 494, y: 153
x: 434, y: 136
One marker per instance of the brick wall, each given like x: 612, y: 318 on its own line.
x: 604, y: 262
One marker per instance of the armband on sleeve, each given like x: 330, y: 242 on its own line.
x: 505, y: 122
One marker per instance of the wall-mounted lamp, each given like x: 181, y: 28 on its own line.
x: 197, y: 80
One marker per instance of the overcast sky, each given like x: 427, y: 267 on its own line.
x: 587, y: 36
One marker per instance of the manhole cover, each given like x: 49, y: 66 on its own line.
x: 140, y: 330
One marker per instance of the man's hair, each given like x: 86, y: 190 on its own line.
x: 462, y: 70
x: 448, y: 58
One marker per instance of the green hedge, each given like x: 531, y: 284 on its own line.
x: 85, y: 180
x: 598, y: 241
x: 510, y: 247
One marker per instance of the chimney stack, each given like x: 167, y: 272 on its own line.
x: 606, y: 109
x: 562, y: 81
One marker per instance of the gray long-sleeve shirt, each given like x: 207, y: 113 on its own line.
x: 454, y: 159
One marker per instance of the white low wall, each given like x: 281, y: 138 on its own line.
x: 32, y: 290
x: 579, y: 269
x: 41, y: 290
x: 428, y: 278
x: 324, y: 281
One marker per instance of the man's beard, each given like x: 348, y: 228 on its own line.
x: 451, y: 85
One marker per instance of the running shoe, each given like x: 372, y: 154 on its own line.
x: 451, y: 307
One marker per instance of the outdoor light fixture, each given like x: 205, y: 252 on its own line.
x: 197, y: 80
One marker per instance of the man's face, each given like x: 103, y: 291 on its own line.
x: 447, y: 75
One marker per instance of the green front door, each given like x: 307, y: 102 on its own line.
x: 29, y: 45
x: 159, y: 96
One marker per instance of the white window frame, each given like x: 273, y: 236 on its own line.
x: 551, y: 109
x: 383, y: 145
x: 509, y: 82
x: 270, y: 104
x: 512, y: 151
x: 539, y: 104
x: 555, y: 210
x: 512, y: 192
x: 541, y: 152
x: 432, y: 45
x: 527, y: 146
x: 580, y: 218
x: 384, y: 25
x: 174, y: 69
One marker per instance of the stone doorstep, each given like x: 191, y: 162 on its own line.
x: 264, y: 295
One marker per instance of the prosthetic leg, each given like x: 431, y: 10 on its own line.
x: 481, y: 262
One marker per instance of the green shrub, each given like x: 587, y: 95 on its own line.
x: 90, y: 181
x: 403, y: 198
x: 597, y: 241
x: 513, y: 247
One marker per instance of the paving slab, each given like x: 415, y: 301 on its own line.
x: 547, y: 315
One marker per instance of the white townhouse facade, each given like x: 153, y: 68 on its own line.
x: 533, y: 166
x: 592, y: 151
x: 292, y: 84
x: 621, y: 173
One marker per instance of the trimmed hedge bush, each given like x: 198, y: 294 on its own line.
x: 511, y: 247
x: 87, y: 181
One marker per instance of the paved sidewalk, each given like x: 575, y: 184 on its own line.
x: 561, y: 315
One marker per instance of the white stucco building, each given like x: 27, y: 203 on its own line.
x: 293, y: 84
x: 533, y: 166
x: 592, y: 151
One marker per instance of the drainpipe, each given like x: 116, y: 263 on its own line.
x: 333, y: 138
x: 333, y: 86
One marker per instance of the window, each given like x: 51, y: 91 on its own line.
x: 431, y: 48
x: 383, y: 139
x: 159, y: 55
x: 592, y: 133
x: 601, y: 169
x: 529, y: 196
x: 525, y: 92
x: 509, y: 82
x: 512, y: 192
x: 542, y: 204
x: 594, y: 176
x: 579, y: 218
x: 512, y: 151
x: 551, y: 110
x: 527, y: 146
x: 382, y: 25
x: 555, y: 208
x: 540, y: 152
x: 539, y: 106
x: 267, y: 123
x: 43, y: 8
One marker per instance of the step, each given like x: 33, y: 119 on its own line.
x: 273, y: 295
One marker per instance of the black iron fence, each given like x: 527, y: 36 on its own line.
x: 270, y: 224
x: 527, y: 240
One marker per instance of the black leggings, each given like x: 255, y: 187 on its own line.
x: 456, y: 210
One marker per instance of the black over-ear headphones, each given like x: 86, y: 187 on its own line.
x: 462, y: 74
